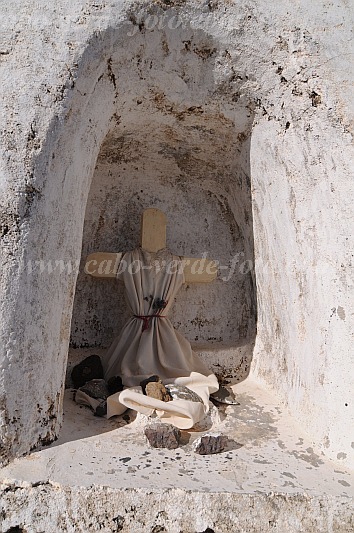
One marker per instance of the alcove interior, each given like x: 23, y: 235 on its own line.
x: 171, y: 115
x: 192, y: 162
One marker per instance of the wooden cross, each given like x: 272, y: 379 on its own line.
x: 153, y: 239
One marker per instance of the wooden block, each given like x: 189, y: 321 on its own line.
x: 105, y: 266
x: 102, y: 264
x: 153, y: 230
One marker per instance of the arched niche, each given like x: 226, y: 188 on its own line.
x: 166, y: 116
x: 192, y: 162
x: 54, y: 130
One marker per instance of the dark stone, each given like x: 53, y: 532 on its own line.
x: 210, y: 443
x: 101, y: 409
x: 157, y: 391
x: 96, y: 388
x: 115, y: 384
x: 225, y: 395
x: 119, y: 523
x: 163, y: 436
x: 183, y: 393
x: 151, y: 379
x: 89, y: 368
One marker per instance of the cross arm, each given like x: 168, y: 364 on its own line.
x: 105, y: 265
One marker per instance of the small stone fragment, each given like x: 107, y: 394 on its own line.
x: 183, y: 393
x: 151, y: 379
x: 212, y: 419
x: 225, y: 395
x: 158, y: 391
x: 115, y: 384
x: 89, y: 368
x: 163, y: 436
x: 101, y: 409
x: 210, y: 443
x: 96, y: 388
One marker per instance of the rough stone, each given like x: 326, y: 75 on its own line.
x: 183, y: 393
x: 101, y: 409
x: 162, y: 436
x: 89, y: 368
x: 211, y: 419
x: 158, y: 391
x: 210, y: 443
x: 115, y: 384
x: 96, y: 388
x: 224, y: 395
x: 151, y: 379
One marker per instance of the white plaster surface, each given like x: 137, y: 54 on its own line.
x: 273, y: 82
x: 269, y: 479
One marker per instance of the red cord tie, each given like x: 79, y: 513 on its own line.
x: 146, y: 320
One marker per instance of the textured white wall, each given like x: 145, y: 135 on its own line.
x: 64, y: 71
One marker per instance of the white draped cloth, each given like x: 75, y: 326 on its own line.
x: 149, y: 345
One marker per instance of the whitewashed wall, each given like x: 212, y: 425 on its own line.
x: 66, y: 69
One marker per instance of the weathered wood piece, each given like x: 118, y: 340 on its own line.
x: 153, y: 230
x: 103, y: 264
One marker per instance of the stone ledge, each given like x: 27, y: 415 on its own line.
x: 101, y: 475
x: 50, y: 507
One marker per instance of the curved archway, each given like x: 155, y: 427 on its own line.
x: 177, y: 116
x: 291, y: 177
